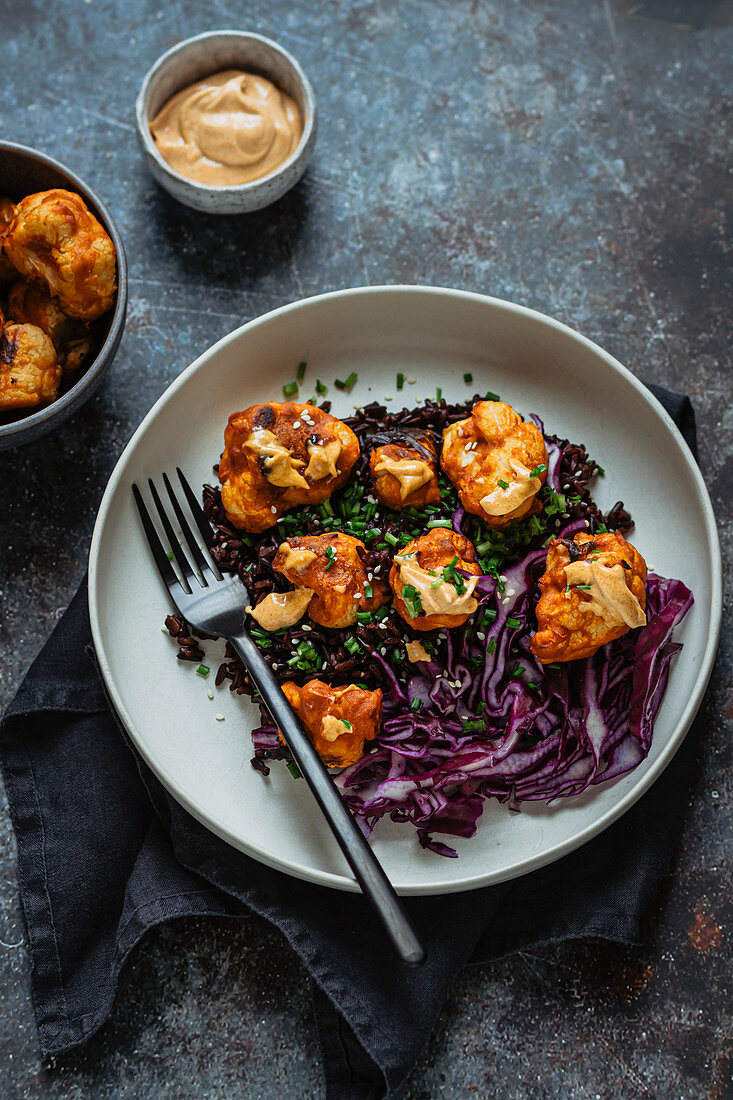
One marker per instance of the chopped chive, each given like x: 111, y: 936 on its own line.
x: 390, y: 538
x: 348, y: 383
x: 490, y: 615
x: 301, y: 370
x: 369, y: 591
x: 364, y: 616
x: 601, y: 529
x: 556, y: 667
x: 513, y: 623
x: 586, y: 586
x: 416, y: 704
x: 203, y: 670
x: 330, y: 557
x: 473, y: 726
x: 468, y: 379
x: 491, y: 396
x: 438, y: 393
x: 502, y: 484
x: 436, y: 584
x: 599, y: 471
x: 400, y: 380
x: 326, y: 509
x: 320, y: 387
x: 531, y: 685
x: 491, y: 645
x: 169, y: 555
x: 347, y: 723
x: 437, y: 523
x: 353, y: 646
x: 538, y: 470
x: 294, y: 770
x: 290, y: 390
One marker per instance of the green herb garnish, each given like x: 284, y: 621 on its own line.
x: 320, y: 387
x: 294, y: 770
x: 513, y: 623
x: 330, y: 557
x: 541, y: 469
x: 290, y: 390
x: 502, y: 484
x: 491, y: 396
x: 300, y: 375
x: 468, y: 379
x: 203, y: 670
x: 348, y: 383
x: 400, y: 380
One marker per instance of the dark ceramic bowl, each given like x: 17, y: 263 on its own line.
x: 24, y: 171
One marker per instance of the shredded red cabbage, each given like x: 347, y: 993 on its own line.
x: 549, y: 732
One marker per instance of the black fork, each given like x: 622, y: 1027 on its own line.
x: 216, y: 604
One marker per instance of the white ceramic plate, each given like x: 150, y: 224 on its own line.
x: 435, y: 336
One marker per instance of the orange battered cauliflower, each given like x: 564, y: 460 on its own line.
x: 282, y: 455
x: 592, y: 591
x: 55, y: 240
x: 404, y: 466
x: 338, y: 720
x: 429, y: 592
x: 29, y: 369
x: 336, y: 567
x: 490, y: 458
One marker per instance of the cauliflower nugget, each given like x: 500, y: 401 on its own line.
x: 31, y: 304
x: 55, y: 240
x: 7, y: 213
x: 592, y: 591
x: 497, y: 462
x: 336, y: 567
x: 29, y: 369
x: 404, y: 465
x: 282, y: 455
x: 429, y: 591
x: 338, y: 720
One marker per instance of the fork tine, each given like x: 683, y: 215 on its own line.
x: 198, y: 557
x: 183, y: 563
x: 207, y: 531
x: 167, y: 573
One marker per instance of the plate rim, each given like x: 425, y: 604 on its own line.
x: 345, y: 882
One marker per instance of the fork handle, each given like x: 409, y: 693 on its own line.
x: 367, y: 869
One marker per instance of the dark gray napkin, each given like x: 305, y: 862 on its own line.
x: 104, y: 854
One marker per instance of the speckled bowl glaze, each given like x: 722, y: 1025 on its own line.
x: 23, y: 172
x: 199, y: 57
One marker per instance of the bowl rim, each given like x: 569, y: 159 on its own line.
x: 73, y: 396
x: 143, y: 122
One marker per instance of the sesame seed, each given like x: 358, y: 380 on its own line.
x: 411, y: 381
x: 296, y: 423
x: 306, y: 627
x: 387, y: 397
x: 164, y: 629
x: 510, y: 591
x: 210, y: 693
x: 275, y: 666
x: 506, y: 600
x: 370, y: 576
x: 273, y: 509
x: 220, y: 717
x: 357, y: 595
x: 502, y: 578
x: 371, y: 499
x: 383, y: 650
x: 480, y: 635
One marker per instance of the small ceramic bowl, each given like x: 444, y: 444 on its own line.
x: 211, y: 53
x: 23, y: 172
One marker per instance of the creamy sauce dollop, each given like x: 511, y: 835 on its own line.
x: 412, y: 473
x: 322, y: 460
x: 296, y: 558
x: 332, y: 727
x: 500, y: 502
x: 282, y: 609
x: 443, y: 599
x: 416, y: 651
x: 229, y: 128
x: 279, y: 462
x: 611, y: 599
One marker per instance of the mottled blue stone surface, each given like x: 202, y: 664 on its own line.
x: 570, y: 156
